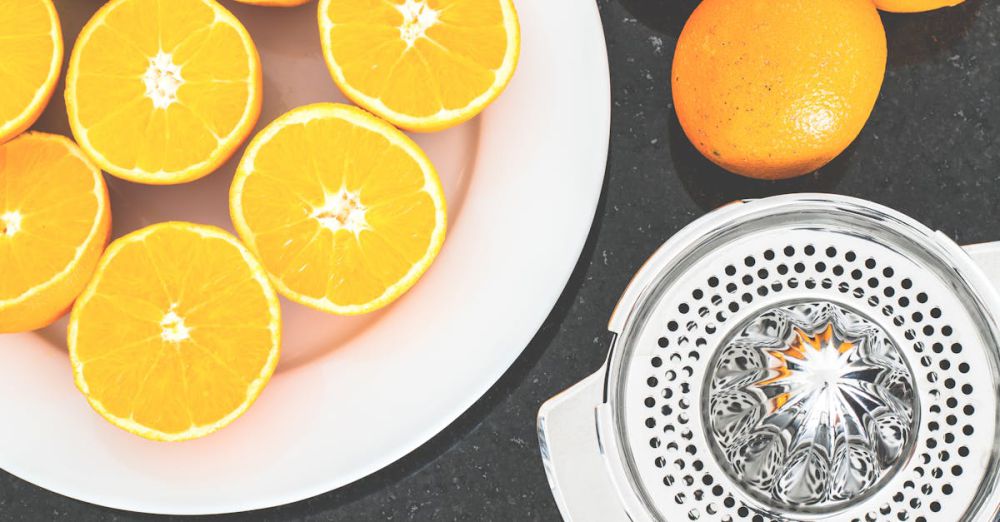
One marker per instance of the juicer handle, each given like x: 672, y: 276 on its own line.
x: 987, y: 256
x: 574, y: 457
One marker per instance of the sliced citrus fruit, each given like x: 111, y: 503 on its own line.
x: 31, y: 52
x: 344, y: 210
x: 177, y: 334
x: 54, y: 223
x: 162, y: 92
x: 423, y: 65
x: 914, y: 6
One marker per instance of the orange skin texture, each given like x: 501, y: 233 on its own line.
x: 914, y: 6
x: 773, y: 90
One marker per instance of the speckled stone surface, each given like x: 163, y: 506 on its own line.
x: 931, y: 150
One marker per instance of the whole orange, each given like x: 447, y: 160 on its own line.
x: 914, y: 6
x: 774, y: 90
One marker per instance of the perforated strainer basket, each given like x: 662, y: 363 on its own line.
x: 801, y: 357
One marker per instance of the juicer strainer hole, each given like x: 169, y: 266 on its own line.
x: 747, y: 280
x: 967, y: 389
x: 660, y: 462
x: 946, y: 331
x: 856, y: 274
x: 935, y: 506
x: 906, y: 284
x: 838, y: 270
x: 668, y: 480
x: 650, y: 422
x: 904, y: 301
x: 652, y: 382
x: 870, y: 263
x: 654, y: 443
x: 769, y: 254
x: 649, y: 402
x: 968, y: 409
x: 749, y: 261
x: 947, y: 489
x: 714, y: 281
x: 693, y: 514
x: 850, y: 256
x: 799, y: 267
x: 789, y: 251
x: 663, y: 342
x: 968, y: 429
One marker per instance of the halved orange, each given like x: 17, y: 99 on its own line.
x: 31, y: 52
x: 177, y: 334
x: 424, y: 65
x: 54, y: 224
x: 914, y: 6
x: 344, y: 211
x: 162, y: 92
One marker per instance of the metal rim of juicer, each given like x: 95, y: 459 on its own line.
x: 799, y: 357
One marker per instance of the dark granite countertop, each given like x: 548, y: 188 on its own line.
x: 931, y: 150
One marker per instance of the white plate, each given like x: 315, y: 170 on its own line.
x: 351, y: 395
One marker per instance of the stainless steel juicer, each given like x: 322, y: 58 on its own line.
x: 801, y: 357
